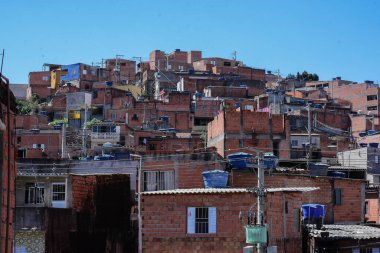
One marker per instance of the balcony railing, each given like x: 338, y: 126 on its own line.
x: 107, y: 135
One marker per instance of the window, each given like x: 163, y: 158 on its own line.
x: 294, y: 143
x: 34, y: 193
x: 376, y: 159
x: 158, y: 180
x: 372, y: 108
x: 59, y: 191
x: 201, y: 220
x: 85, y: 72
x: 371, y: 97
x: 114, y: 115
x: 337, y: 196
x: 366, y: 206
x: 45, y: 78
x: 59, y: 195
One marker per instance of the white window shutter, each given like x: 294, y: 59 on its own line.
x: 355, y: 250
x: 191, y: 220
x: 212, y: 220
x: 375, y: 250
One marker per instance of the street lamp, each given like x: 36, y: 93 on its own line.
x: 139, y: 178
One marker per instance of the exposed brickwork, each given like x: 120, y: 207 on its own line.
x: 8, y: 170
x: 351, y: 209
x: 165, y: 222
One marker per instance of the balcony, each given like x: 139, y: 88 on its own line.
x: 105, y: 136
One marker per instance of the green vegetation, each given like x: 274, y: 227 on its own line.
x: 58, y: 122
x: 305, y: 76
x: 92, y: 122
x: 30, y: 106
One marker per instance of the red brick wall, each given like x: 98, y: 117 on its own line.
x: 373, y: 207
x: 32, y: 122
x: 165, y: 222
x: 82, y: 192
x: 352, y: 192
x: 52, y: 143
x: 188, y: 167
x: 7, y: 207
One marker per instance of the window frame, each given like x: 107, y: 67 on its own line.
x: 160, y: 181
x: 37, y: 189
x: 193, y: 229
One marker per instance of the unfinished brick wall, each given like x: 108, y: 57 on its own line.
x: 373, y: 207
x: 187, y: 167
x: 165, y: 222
x: 351, y: 209
x: 8, y: 170
x: 83, y: 192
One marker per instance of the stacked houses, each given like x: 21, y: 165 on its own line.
x: 113, y: 158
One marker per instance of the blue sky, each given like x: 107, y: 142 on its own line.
x: 328, y: 37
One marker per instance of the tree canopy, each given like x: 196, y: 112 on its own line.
x: 30, y: 106
x: 305, y: 76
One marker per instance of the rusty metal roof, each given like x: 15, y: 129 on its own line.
x: 336, y: 232
x: 226, y: 190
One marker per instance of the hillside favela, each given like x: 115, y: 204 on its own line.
x: 184, y: 151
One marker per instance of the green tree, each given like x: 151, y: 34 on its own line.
x: 30, y: 106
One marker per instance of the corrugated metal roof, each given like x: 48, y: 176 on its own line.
x: 226, y: 190
x: 345, y: 168
x: 337, y: 232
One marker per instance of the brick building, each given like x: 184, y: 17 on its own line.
x: 121, y: 70
x: 72, y: 206
x: 7, y: 165
x: 372, y: 206
x: 175, y: 61
x: 39, y: 84
x: 231, y: 131
x: 344, y: 197
x: 170, y: 219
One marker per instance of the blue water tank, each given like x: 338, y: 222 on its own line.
x: 215, y: 179
x: 374, y: 144
x: 270, y: 161
x: 370, y: 132
x: 311, y: 211
x: 337, y: 174
x: 240, y: 160
x: 362, y: 134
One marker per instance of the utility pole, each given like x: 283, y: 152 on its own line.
x: 260, y: 197
x: 84, y: 137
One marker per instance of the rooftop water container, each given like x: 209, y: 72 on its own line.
x: 362, y: 134
x: 270, y: 161
x: 371, y: 132
x: 374, y: 144
x: 337, y: 174
x: 240, y: 160
x: 318, y: 169
x: 215, y: 179
x: 313, y: 211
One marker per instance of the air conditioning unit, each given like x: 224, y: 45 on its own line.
x: 360, y: 112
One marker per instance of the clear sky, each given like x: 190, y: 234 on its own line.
x: 328, y: 37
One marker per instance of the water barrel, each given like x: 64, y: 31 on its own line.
x: 337, y: 174
x: 215, y: 179
x: 374, y: 144
x: 240, y: 160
